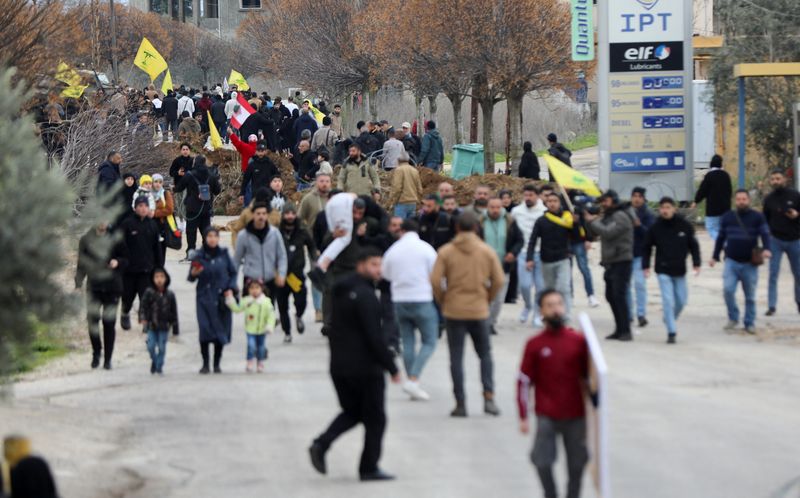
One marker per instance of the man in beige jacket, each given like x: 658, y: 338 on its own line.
x: 466, y: 277
x: 406, y: 188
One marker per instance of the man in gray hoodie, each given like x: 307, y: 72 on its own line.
x: 615, y: 229
x: 260, y: 249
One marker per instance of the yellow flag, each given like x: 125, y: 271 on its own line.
x: 570, y: 178
x: 216, y: 140
x: 318, y: 115
x: 149, y: 60
x: 294, y: 282
x: 66, y: 74
x: 236, y: 78
x: 167, y: 84
x: 74, y: 91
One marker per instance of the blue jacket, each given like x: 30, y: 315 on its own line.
x: 432, y: 153
x: 646, y: 220
x: 305, y: 122
x: 738, y: 243
x: 218, y: 275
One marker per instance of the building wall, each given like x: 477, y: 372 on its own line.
x: 231, y: 14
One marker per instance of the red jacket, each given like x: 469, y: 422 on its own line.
x: 204, y: 105
x: 246, y: 149
x: 555, y: 364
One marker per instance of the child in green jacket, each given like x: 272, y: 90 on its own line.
x: 259, y: 320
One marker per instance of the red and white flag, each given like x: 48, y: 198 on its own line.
x: 245, y: 110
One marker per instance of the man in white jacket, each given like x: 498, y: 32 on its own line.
x: 407, y: 265
x: 525, y: 215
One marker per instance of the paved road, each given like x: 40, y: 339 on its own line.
x: 714, y: 416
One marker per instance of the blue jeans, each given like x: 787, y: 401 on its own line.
x: 257, y: 347
x: 712, y: 226
x: 316, y: 298
x: 673, y: 298
x: 425, y: 318
x: 529, y: 280
x: 792, y: 250
x: 157, y: 346
x: 579, y: 250
x: 248, y: 194
x: 639, y: 283
x: 747, y: 274
x: 405, y: 211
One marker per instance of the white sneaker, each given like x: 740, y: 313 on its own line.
x: 593, y: 302
x: 537, y: 321
x: 416, y: 392
x: 524, y: 314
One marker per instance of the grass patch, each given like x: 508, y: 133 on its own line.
x: 44, y: 348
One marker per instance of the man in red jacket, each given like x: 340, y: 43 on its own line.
x: 246, y: 150
x: 555, y: 364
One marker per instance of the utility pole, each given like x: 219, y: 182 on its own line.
x: 114, y: 66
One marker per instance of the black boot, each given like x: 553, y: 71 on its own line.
x: 95, y: 360
x: 301, y: 327
x: 204, y: 351
x: 317, y: 453
x: 217, y: 357
x: 125, y: 321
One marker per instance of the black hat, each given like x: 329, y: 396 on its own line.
x: 552, y: 137
x: 261, y: 146
x: 639, y: 190
x: 142, y: 199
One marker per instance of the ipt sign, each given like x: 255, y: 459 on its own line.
x: 632, y: 21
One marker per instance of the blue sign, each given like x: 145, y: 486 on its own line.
x: 661, y: 122
x: 666, y: 102
x: 630, y: 162
x: 662, y: 82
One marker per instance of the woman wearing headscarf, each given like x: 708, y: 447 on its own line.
x: 528, y: 163
x: 129, y: 188
x: 213, y: 270
x: 165, y: 207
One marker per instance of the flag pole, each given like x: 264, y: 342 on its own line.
x: 566, y: 197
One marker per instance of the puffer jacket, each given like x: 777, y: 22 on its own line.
x: 159, y: 309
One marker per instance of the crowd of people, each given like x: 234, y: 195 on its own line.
x: 437, y: 266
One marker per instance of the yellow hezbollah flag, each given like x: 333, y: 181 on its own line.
x: 74, y: 91
x: 570, y: 178
x: 66, y: 74
x: 167, y: 84
x: 216, y: 140
x: 316, y: 112
x: 236, y: 78
x: 149, y: 60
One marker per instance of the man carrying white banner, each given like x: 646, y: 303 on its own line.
x: 556, y: 365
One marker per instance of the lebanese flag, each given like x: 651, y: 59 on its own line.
x: 245, y: 110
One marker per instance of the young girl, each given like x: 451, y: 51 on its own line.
x: 259, y: 320
x: 158, y: 313
x: 146, y: 190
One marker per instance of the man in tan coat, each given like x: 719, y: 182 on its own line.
x: 357, y: 174
x: 406, y: 189
x: 466, y: 277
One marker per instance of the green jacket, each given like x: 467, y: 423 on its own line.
x: 259, y: 314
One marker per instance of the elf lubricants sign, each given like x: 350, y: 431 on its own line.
x: 582, y: 30
x: 647, y: 82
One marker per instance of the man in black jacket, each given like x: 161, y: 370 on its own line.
x: 259, y: 173
x: 435, y: 225
x: 219, y: 117
x: 556, y: 229
x: 102, y: 259
x: 297, y: 240
x: 673, y: 238
x: 170, y: 108
x: 558, y: 150
x: 198, y: 211
x: 257, y: 122
x: 359, y: 357
x: 143, y: 240
x: 781, y: 209
x: 716, y: 190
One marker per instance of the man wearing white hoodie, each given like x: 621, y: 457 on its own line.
x: 525, y: 216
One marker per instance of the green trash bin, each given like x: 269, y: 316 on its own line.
x: 467, y: 160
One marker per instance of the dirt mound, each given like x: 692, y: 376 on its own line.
x: 465, y: 188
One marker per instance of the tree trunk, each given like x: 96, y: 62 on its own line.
x: 420, y: 114
x: 487, y: 110
x: 456, y: 100
x: 433, y: 107
x: 373, y: 103
x: 514, y: 104
x: 473, y: 120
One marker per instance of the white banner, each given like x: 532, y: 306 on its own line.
x: 633, y: 21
